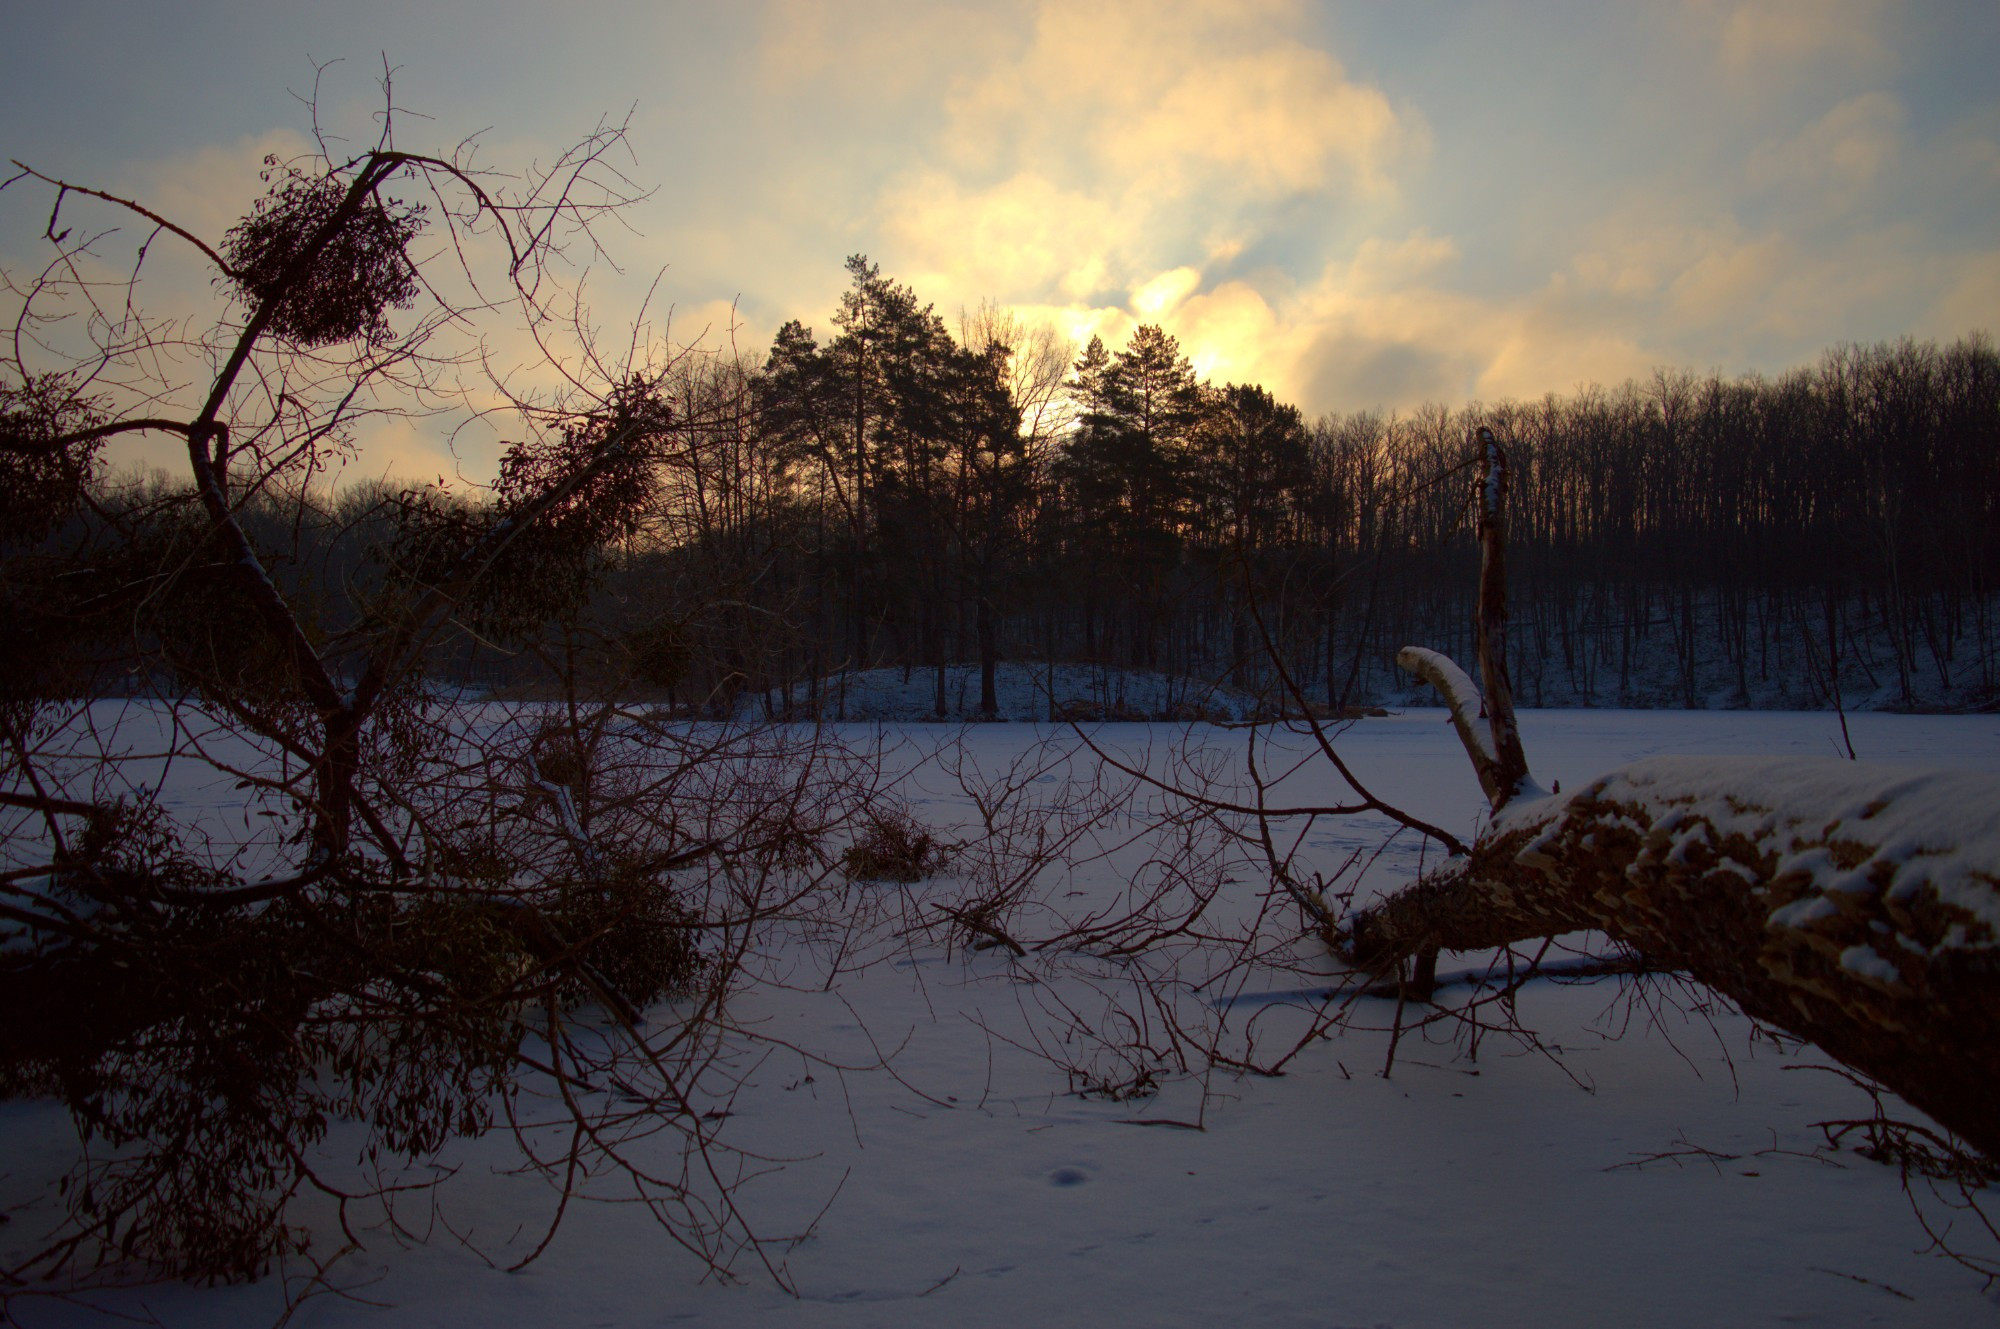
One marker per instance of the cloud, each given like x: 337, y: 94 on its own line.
x: 209, y: 189
x: 1216, y: 169
x: 1022, y: 238
x: 1380, y: 328
x: 1108, y: 165
x: 1169, y: 95
x: 1211, y: 169
x: 1969, y: 301
x: 871, y: 52
x: 1358, y: 373
x: 1726, y: 282
x: 1839, y: 157
x: 1109, y: 143
x: 1354, y: 207
x: 1159, y: 296
x: 1780, y: 39
x: 402, y: 451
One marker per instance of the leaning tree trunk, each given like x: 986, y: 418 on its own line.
x: 1856, y: 906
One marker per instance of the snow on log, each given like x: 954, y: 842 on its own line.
x: 1856, y: 906
x: 1501, y: 783
x: 1460, y: 693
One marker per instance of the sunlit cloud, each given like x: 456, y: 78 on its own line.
x: 1355, y: 206
x: 1118, y: 141
x: 1168, y: 97
x: 1159, y: 296
x: 1111, y: 165
x: 1019, y: 238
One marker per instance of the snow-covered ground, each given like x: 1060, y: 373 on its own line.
x: 1649, y: 1162
x: 1022, y: 692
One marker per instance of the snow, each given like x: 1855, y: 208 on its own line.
x: 1867, y: 962
x: 1461, y: 694
x: 1022, y: 692
x: 1923, y: 830
x: 1647, y: 1161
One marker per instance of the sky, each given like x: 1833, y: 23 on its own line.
x: 1357, y: 205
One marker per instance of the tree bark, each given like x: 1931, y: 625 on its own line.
x: 1510, y: 764
x: 1852, y: 905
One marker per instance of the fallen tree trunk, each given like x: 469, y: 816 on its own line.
x: 1855, y: 906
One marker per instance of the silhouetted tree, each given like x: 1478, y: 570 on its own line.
x: 415, y: 895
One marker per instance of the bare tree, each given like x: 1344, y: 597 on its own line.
x: 426, y: 916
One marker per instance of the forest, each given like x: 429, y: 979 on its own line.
x: 1747, y: 540
x: 1688, y: 541
x: 914, y: 493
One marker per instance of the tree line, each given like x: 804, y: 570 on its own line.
x: 908, y: 492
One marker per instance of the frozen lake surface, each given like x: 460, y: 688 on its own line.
x: 1647, y: 1162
